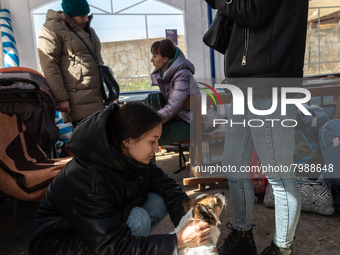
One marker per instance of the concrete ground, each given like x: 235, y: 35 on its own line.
x: 315, y: 235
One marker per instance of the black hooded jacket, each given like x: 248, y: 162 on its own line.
x: 86, y: 206
x: 268, y: 38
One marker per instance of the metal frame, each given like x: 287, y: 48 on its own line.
x: 111, y: 13
x: 319, y: 41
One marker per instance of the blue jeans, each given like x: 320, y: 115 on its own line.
x: 274, y: 145
x: 142, y: 220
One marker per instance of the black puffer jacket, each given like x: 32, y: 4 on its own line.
x: 268, y: 37
x: 86, y: 206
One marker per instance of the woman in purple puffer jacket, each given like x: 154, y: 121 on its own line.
x: 174, y: 75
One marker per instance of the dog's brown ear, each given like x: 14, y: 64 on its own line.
x: 187, y: 204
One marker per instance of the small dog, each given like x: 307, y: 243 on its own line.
x: 206, y: 208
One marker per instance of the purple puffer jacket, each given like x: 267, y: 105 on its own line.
x: 175, y: 87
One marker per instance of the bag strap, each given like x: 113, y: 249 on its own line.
x: 94, y: 56
x: 69, y: 44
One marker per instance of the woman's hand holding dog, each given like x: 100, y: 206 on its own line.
x: 193, y: 234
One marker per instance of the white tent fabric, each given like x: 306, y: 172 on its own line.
x: 195, y: 25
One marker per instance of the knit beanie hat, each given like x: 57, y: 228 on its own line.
x: 75, y: 7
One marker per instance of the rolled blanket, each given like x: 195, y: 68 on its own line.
x: 24, y: 168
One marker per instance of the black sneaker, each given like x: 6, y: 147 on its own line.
x: 238, y: 243
x: 274, y: 250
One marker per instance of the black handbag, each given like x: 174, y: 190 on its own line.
x: 108, y: 84
x: 218, y: 35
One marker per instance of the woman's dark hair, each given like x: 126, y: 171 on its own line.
x: 132, y: 120
x: 165, y: 48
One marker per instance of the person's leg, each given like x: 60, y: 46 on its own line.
x: 275, y: 144
x: 174, y: 131
x: 139, y: 222
x: 238, y: 148
x: 146, y: 218
x: 156, y: 208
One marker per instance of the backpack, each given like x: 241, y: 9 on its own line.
x: 306, y: 148
x: 316, y: 120
x: 329, y: 135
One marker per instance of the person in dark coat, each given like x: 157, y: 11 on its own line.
x: 266, y: 51
x: 109, y: 197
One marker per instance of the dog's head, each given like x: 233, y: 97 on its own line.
x: 206, y: 207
